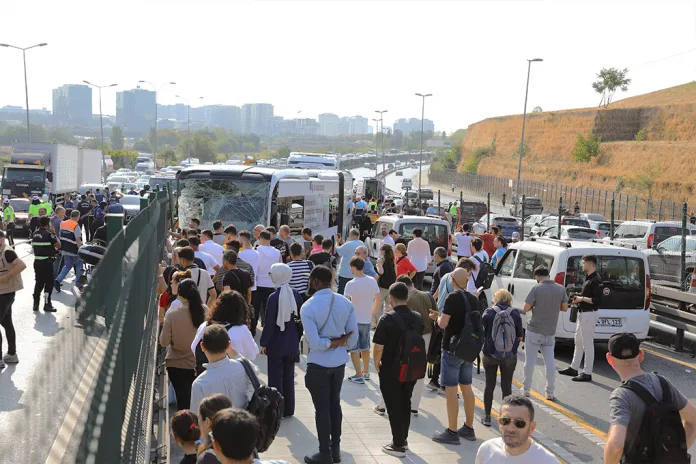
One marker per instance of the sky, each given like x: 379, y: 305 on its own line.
x: 350, y: 57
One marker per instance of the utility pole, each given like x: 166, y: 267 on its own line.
x: 420, y: 165
x: 101, y: 125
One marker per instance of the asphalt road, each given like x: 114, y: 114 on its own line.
x: 579, y: 418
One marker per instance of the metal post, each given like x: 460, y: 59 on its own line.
x: 611, y: 223
x: 604, y: 210
x: 659, y: 212
x: 420, y: 165
x: 672, y: 210
x: 560, y: 211
x: 522, y: 236
x: 26, y: 92
x: 635, y: 208
x: 619, y: 211
x: 682, y: 259
x: 438, y: 202
x: 488, y: 214
x: 647, y: 209
x: 101, y: 129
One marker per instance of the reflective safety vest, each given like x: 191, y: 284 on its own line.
x: 68, y: 240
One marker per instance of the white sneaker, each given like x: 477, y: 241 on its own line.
x: 10, y: 358
x: 549, y: 396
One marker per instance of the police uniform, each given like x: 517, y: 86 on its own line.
x: 84, y: 207
x: 43, y: 243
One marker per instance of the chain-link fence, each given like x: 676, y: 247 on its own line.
x: 588, y: 200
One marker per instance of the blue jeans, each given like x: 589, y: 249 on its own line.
x: 533, y: 343
x: 324, y: 384
x: 455, y: 371
x: 70, y: 262
x: 57, y: 264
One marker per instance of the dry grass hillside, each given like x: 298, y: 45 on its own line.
x: 666, y: 154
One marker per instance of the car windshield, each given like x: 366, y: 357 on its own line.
x: 631, y: 231
x: 575, y: 222
x: 19, y: 205
x: 664, y: 232
x: 243, y: 203
x: 604, y: 226
x: 581, y: 234
x: 434, y: 234
x: 595, y: 217
x: 26, y: 175
x: 623, y: 280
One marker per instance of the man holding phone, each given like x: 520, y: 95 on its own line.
x: 330, y: 326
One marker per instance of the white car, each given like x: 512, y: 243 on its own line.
x: 646, y: 234
x: 508, y: 224
x: 531, y: 221
x: 574, y: 233
x: 625, y: 305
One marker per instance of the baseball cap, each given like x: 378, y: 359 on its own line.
x: 515, y: 235
x: 6, y: 201
x: 624, y: 346
x: 35, y: 197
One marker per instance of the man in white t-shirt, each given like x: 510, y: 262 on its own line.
x: 420, y: 255
x: 516, y: 423
x: 206, y: 287
x: 209, y: 246
x: 268, y: 256
x: 210, y: 264
x: 464, y: 237
x: 363, y: 292
x: 391, y: 238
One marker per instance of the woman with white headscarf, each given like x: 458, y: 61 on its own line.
x: 280, y: 340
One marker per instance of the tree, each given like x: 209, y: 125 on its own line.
x: 117, y: 139
x: 93, y: 143
x: 609, y: 81
x: 142, y: 146
x: 586, y: 147
x: 537, y: 109
x: 457, y: 136
x: 284, y: 151
x: 203, y: 148
x: 169, y: 156
x: 62, y: 135
x: 152, y: 137
x: 647, y: 177
x: 450, y: 160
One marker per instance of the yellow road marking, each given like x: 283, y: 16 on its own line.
x: 668, y: 358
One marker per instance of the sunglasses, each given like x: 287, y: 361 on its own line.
x: 519, y: 423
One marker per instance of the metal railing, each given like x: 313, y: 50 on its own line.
x: 590, y: 200
x: 118, y: 424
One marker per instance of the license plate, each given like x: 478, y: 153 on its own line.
x: 609, y: 322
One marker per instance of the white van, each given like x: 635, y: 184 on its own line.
x: 625, y: 277
x: 406, y: 183
x: 647, y: 233
x: 436, y: 231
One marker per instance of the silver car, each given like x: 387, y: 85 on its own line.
x: 664, y: 261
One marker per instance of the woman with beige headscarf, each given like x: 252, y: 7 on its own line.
x: 280, y: 340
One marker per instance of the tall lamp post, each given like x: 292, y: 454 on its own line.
x: 26, y: 85
x: 157, y: 89
x: 376, y: 132
x: 188, y: 122
x: 524, y: 119
x: 381, y: 120
x: 420, y: 166
x: 101, y: 124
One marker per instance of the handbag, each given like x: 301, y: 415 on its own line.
x: 573, y: 313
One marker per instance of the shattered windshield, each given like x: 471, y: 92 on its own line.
x: 243, y: 203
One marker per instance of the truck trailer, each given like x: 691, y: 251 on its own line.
x: 38, y: 168
x: 89, y: 166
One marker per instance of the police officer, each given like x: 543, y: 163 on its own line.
x: 47, y: 205
x: 8, y: 219
x: 588, y: 305
x: 45, y: 244
x: 114, y: 206
x: 84, y: 207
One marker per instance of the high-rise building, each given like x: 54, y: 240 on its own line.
x: 328, y: 124
x: 344, y: 126
x: 227, y: 117
x: 257, y: 118
x: 72, y: 105
x: 406, y: 126
x: 358, y: 125
x: 177, y: 112
x: 135, y: 110
x: 306, y: 126
x: 282, y: 126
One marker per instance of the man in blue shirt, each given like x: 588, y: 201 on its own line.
x: 369, y: 269
x: 330, y: 326
x: 347, y: 251
x: 114, y: 206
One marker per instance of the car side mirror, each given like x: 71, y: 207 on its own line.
x: 536, y: 224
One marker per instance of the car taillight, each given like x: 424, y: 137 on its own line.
x: 648, y: 292
x: 449, y: 245
x: 560, y: 278
x: 651, y: 237
x: 599, y: 234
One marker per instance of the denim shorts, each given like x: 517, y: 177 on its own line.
x: 363, y: 338
x: 455, y: 371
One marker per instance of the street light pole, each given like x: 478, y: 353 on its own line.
x: 188, y: 123
x: 26, y: 84
x: 381, y: 120
x: 157, y: 89
x: 101, y: 125
x: 524, y: 118
x: 420, y: 166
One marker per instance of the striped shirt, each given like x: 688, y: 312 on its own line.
x: 300, y: 274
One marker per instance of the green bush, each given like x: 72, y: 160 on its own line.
x: 641, y: 135
x: 586, y: 147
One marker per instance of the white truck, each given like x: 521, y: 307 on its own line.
x: 38, y: 168
x: 89, y: 166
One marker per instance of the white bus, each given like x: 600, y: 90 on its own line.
x: 249, y: 195
x: 313, y: 161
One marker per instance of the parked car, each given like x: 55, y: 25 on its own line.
x: 552, y: 221
x: 470, y: 211
x: 531, y: 221
x: 647, y: 233
x: 82, y: 189
x: 532, y: 205
x: 131, y: 205
x: 664, y: 260
x: 21, y: 209
x: 603, y: 228
x: 625, y: 305
x: 508, y: 225
x: 569, y: 233
x: 592, y: 217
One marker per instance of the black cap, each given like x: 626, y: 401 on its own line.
x: 624, y: 346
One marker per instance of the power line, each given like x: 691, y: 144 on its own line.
x: 662, y: 59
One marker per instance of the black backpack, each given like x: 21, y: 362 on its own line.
x: 468, y: 343
x: 411, y: 354
x: 485, y: 275
x: 201, y: 358
x: 661, y: 437
x: 267, y: 405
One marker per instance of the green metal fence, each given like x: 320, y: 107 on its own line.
x: 123, y: 292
